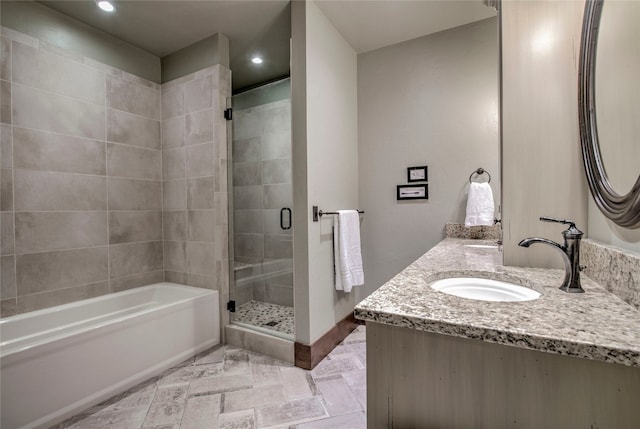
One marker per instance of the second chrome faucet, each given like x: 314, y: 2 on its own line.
x: 570, y: 253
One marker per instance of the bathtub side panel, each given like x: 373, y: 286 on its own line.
x: 57, y: 380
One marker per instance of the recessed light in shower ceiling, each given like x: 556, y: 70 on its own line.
x: 257, y: 60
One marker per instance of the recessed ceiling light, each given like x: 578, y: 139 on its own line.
x: 106, y: 6
x: 256, y: 60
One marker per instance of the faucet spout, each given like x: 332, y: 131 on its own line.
x: 563, y: 251
x: 533, y: 240
x: 570, y: 252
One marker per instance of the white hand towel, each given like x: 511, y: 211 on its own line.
x: 336, y: 256
x: 348, y: 253
x: 479, y: 205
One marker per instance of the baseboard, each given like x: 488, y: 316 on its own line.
x: 308, y: 356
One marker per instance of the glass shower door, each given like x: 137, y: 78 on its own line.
x: 262, y: 217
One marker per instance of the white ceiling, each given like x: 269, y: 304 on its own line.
x: 264, y: 26
x: 371, y: 24
x: 161, y: 27
x: 165, y: 26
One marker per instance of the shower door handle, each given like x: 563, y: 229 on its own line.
x: 282, y: 212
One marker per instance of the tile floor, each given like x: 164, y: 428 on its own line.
x: 270, y: 316
x: 227, y: 387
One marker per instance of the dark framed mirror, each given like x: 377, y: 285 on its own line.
x: 614, y: 198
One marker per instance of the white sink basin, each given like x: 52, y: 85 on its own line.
x: 484, y: 289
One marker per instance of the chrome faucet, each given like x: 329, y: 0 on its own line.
x: 570, y: 253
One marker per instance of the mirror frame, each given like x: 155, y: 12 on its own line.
x: 624, y: 210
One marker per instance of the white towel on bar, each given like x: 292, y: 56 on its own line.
x: 480, y: 206
x: 347, y: 251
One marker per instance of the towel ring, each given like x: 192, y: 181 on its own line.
x: 479, y: 172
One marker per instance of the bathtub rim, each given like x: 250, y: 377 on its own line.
x: 103, y: 326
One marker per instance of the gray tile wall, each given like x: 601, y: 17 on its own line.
x: 81, y: 177
x: 262, y: 185
x: 194, y: 167
x: 108, y: 181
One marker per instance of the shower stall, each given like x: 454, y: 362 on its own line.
x: 262, y: 233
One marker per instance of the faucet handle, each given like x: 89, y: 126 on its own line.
x: 564, y: 221
x: 572, y: 231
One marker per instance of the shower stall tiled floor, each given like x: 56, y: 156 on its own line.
x: 270, y: 316
x: 227, y: 387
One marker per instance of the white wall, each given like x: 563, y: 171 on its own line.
x: 433, y: 101
x: 541, y: 158
x: 326, y: 168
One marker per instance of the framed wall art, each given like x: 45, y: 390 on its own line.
x: 417, y: 174
x: 412, y: 192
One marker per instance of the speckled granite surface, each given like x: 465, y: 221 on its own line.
x: 458, y: 230
x: 615, y: 269
x: 595, y: 325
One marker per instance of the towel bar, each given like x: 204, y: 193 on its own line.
x: 317, y: 213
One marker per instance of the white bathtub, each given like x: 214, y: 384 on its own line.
x: 61, y: 360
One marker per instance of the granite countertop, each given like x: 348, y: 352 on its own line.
x: 594, y: 325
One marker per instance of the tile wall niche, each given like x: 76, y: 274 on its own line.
x: 82, y: 179
x: 194, y: 169
x: 262, y: 185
